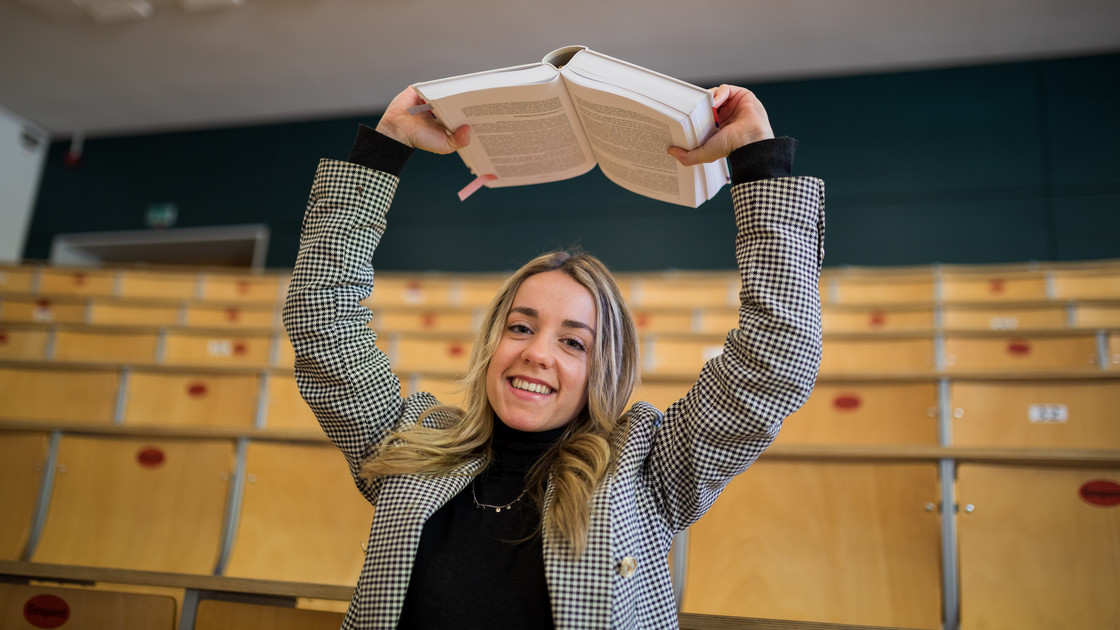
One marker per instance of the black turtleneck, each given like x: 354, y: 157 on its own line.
x: 478, y: 567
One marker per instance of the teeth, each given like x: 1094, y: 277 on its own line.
x: 530, y: 387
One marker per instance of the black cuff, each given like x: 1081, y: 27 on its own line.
x: 378, y: 151
x: 765, y: 159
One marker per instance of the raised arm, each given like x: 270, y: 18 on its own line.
x: 769, y: 363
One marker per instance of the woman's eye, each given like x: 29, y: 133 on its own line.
x: 520, y: 329
x: 575, y: 344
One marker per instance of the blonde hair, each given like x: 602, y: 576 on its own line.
x: 447, y: 437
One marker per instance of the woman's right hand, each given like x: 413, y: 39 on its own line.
x: 421, y: 131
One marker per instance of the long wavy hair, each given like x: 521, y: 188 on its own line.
x: 448, y: 437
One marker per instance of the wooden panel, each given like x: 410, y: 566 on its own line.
x: 105, y: 346
x: 23, y: 343
x: 419, y: 353
x: 876, y: 320
x: 677, y: 355
x: 232, y: 316
x: 1087, y: 285
x: 390, y: 320
x: 132, y: 503
x: 685, y: 292
x: 324, y: 544
x: 1036, y: 414
x: 210, y: 349
x: 219, y: 615
x: 233, y: 288
x: 16, y: 279
x: 1005, y: 318
x: 1021, y: 353
x: 195, y: 400
x: 123, y: 313
x: 718, y: 320
x: 1113, y: 359
x: 41, y: 606
x: 76, y: 282
x: 406, y: 291
x: 1096, y: 316
x: 286, y: 354
x: 661, y: 394
x: 446, y: 390
x: 650, y: 320
x: 840, y: 542
x: 907, y: 355
x: 476, y: 291
x: 158, y: 284
x: 884, y: 290
x: 865, y: 413
x: 994, y: 287
x: 287, y: 410
x: 59, y: 395
x: 1033, y: 552
x: 42, y: 310
x: 22, y: 457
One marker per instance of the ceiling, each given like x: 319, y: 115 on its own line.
x: 209, y: 63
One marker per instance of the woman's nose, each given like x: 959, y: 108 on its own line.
x: 538, y: 352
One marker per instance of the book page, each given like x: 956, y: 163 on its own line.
x: 524, y: 134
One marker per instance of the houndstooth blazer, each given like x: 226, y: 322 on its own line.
x: 671, y: 466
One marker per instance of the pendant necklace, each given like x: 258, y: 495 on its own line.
x: 496, y: 508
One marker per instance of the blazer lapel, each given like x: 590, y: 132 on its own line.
x: 580, y: 588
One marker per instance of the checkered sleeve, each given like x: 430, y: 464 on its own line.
x: 769, y: 363
x: 342, y: 374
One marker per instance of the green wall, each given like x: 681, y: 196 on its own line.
x: 997, y: 163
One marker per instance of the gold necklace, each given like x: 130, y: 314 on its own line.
x: 496, y: 508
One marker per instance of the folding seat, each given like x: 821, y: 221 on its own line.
x: 717, y: 319
x: 883, y: 288
x: 17, y: 279
x: 994, y: 286
x: 878, y: 355
x: 1005, y: 317
x: 24, y: 342
x: 86, y: 282
x: 408, y: 319
x: 213, y: 614
x: 231, y: 315
x: 842, y: 542
x: 418, y: 352
x: 1036, y: 414
x: 40, y: 606
x: 286, y: 410
x: 218, y: 348
x: 678, y: 355
x: 191, y: 399
x: 153, y: 504
x: 394, y: 290
x: 301, y: 519
x: 446, y: 390
x: 43, y: 309
x: 1086, y: 284
x: 1096, y: 315
x: 476, y: 291
x: 161, y: 285
x: 95, y: 344
x: 1026, y: 352
x: 684, y: 290
x: 116, y: 312
x: 23, y: 455
x: 873, y: 320
x: 219, y: 287
x: 1039, y: 546
x: 665, y: 320
x: 663, y: 392
x: 877, y: 413
x: 59, y: 394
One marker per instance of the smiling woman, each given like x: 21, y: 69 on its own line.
x: 543, y: 501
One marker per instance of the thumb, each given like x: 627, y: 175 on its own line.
x: 696, y: 156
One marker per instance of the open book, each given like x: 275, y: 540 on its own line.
x: 557, y: 119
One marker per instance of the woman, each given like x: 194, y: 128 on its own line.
x: 543, y: 502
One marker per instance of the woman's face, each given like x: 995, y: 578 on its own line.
x: 537, y: 378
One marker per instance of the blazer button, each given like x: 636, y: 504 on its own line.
x: 627, y: 567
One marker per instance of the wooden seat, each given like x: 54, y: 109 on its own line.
x: 408, y: 319
x: 1039, y: 547
x: 853, y: 543
x: 23, y: 456
x: 1113, y: 359
x: 684, y: 290
x: 1087, y: 284
x: 865, y: 413
x: 59, y: 395
x: 215, y: 348
x: 1096, y: 315
x: 476, y: 290
x: 222, y: 615
x: 655, y: 320
x: 105, y: 345
x: 882, y: 288
x: 323, y: 545
x: 116, y: 312
x: 162, y: 285
x: 217, y: 287
x: 41, y: 606
x: 446, y: 390
x: 872, y: 320
x: 231, y: 316
x: 995, y: 317
x: 191, y: 399
x: 1021, y: 353
x: 1036, y: 414
x: 678, y: 355
x: 717, y: 320
x: 17, y: 279
x: 24, y: 342
x: 135, y: 503
x: 429, y: 353
x: 994, y: 286
x: 42, y: 309
x: 878, y: 355
x: 85, y: 282
x: 662, y: 393
x: 286, y: 410
x: 391, y: 290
